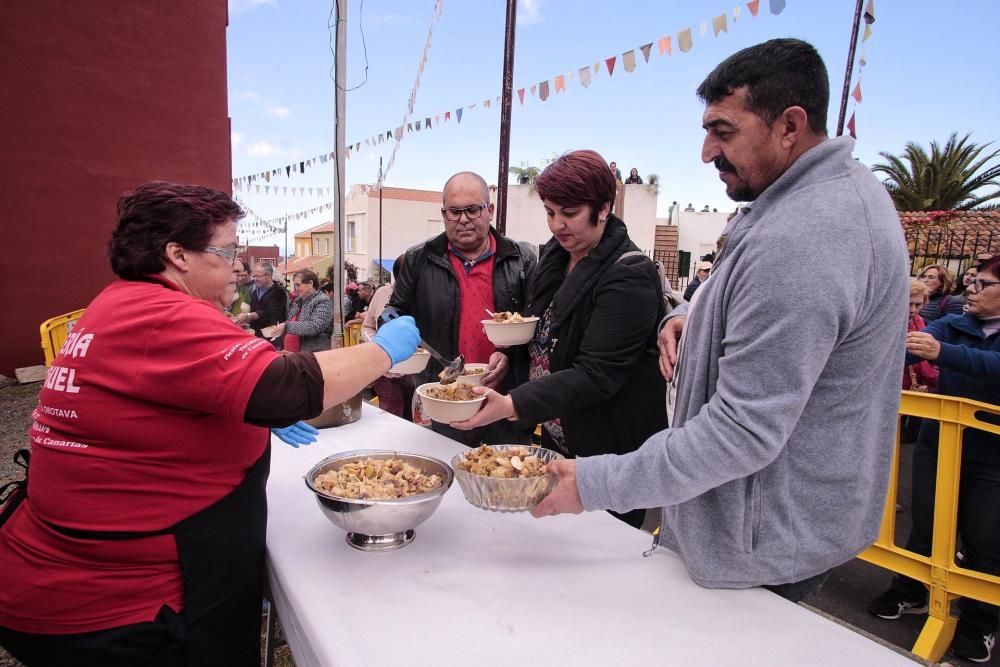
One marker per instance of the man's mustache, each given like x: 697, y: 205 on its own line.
x: 722, y: 164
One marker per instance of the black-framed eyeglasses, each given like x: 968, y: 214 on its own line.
x: 471, y: 212
x: 228, y: 254
x: 979, y: 284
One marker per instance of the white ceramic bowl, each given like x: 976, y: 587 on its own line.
x: 514, y: 333
x: 473, y: 378
x: 413, y: 364
x: 443, y: 411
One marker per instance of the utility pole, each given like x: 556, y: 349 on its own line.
x: 850, y: 68
x: 505, y: 107
x: 338, y: 179
x: 380, y: 221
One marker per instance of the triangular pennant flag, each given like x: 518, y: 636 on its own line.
x: 471, y: 106
x: 864, y: 61
x: 267, y: 177
x: 520, y: 94
x: 737, y: 11
x: 702, y: 28
x: 437, y: 119
x: 295, y: 168
x: 664, y: 45
x: 584, y: 76
x: 486, y: 103
x: 851, y: 127
x: 628, y: 61
x: 367, y: 142
x: 543, y: 90
x: 684, y: 40
x: 560, y: 84
x: 533, y: 88
x: 418, y: 126
x: 868, y: 33
x: 646, y: 48
x: 597, y: 67
x: 310, y: 192
x: 777, y: 6
x: 357, y: 146
x: 753, y: 6
x: 288, y: 172
x: 409, y: 127
x: 458, y: 114
x: 719, y: 24
x: 427, y: 123
x: 267, y: 189
x: 856, y: 93
x: 870, y: 12
x: 258, y: 188
x: 447, y: 116
x: 322, y: 159
x: 284, y: 190
x: 610, y: 62
x: 302, y: 167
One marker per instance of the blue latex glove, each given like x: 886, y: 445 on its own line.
x: 299, y: 433
x: 399, y: 338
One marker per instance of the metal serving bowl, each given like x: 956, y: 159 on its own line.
x: 379, y: 525
x: 499, y: 494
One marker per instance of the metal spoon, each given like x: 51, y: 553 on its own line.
x: 452, y: 369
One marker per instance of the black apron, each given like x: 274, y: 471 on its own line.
x: 221, y: 550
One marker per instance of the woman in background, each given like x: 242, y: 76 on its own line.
x: 940, y: 282
x: 310, y: 317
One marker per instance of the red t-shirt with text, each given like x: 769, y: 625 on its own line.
x: 139, y: 425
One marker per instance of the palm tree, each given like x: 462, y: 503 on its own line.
x: 524, y: 174
x: 947, y: 179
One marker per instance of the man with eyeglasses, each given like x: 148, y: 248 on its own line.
x: 242, y: 288
x: 268, y: 300
x: 448, y: 282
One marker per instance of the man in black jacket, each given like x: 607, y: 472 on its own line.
x: 268, y: 300
x: 448, y: 282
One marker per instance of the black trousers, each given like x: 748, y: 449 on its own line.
x: 162, y: 642
x: 978, y: 529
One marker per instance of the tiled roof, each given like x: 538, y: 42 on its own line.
x: 299, y: 263
x: 318, y: 229
x: 406, y: 194
x: 951, y: 234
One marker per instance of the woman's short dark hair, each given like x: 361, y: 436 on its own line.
x: 778, y: 74
x: 156, y: 213
x: 991, y: 265
x: 579, y: 177
x: 305, y: 275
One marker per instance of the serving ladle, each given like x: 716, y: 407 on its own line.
x: 452, y: 369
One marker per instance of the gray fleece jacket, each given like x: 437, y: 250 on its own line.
x: 777, y: 463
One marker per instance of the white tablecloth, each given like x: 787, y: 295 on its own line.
x: 484, y: 588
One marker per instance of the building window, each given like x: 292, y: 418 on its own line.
x: 353, y: 242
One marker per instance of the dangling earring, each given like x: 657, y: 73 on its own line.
x: 601, y: 221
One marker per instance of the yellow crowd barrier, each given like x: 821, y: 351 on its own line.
x: 352, y: 334
x: 946, y: 580
x: 55, y: 331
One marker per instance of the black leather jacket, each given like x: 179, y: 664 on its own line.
x: 427, y: 289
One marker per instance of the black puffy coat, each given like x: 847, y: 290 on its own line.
x: 605, y: 385
x: 427, y: 289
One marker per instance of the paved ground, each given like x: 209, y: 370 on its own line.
x: 845, y: 596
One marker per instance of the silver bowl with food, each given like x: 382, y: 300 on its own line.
x: 505, y: 478
x: 379, y: 495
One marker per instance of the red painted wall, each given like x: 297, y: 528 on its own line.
x: 95, y: 98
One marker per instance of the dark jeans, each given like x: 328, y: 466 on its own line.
x: 978, y: 529
x: 797, y: 590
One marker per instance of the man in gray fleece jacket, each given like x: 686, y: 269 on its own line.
x: 776, y: 465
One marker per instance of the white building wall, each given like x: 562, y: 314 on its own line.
x: 526, y: 217
x: 698, y: 232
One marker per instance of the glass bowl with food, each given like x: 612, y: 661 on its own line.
x: 505, y: 478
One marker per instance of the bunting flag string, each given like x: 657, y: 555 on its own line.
x: 254, y: 227
x: 683, y: 39
x: 869, y: 18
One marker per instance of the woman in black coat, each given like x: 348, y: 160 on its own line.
x: 595, y: 386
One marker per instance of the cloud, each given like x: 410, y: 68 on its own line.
x: 529, y: 12
x: 264, y: 148
x: 279, y: 111
x: 235, y: 138
x: 239, y: 7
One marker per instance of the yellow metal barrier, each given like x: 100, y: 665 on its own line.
x: 352, y: 334
x: 946, y: 580
x: 55, y: 331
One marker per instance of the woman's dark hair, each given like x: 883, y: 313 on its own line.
x: 156, y: 213
x: 397, y: 266
x: 579, y: 177
x: 307, y: 276
x: 991, y: 265
x: 778, y: 74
